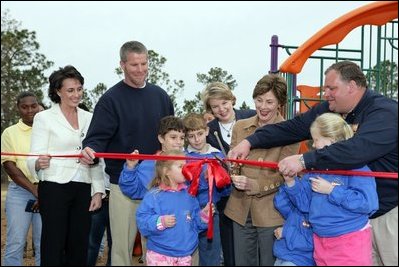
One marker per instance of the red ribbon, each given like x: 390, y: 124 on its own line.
x: 274, y: 165
x: 216, y: 174
x: 267, y: 164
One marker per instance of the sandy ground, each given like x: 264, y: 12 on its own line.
x: 29, y: 260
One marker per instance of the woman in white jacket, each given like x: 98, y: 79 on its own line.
x: 68, y: 190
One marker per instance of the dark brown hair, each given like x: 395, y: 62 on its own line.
x: 274, y: 83
x: 57, y: 78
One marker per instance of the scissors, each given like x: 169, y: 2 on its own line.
x: 223, y: 163
x: 232, y: 168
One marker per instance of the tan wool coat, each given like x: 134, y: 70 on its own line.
x: 258, y: 202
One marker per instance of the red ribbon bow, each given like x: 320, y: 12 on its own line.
x: 216, y: 174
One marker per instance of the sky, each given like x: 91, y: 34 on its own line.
x: 192, y: 36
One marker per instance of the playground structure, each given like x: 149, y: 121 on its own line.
x: 375, y: 26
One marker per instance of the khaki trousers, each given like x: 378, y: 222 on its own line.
x: 122, y: 215
x: 385, y: 239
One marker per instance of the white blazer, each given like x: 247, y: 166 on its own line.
x: 52, y: 134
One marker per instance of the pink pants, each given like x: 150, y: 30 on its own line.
x: 155, y: 259
x: 353, y: 249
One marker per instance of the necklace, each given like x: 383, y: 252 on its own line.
x: 228, y: 131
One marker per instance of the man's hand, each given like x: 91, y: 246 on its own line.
x: 35, y: 207
x: 88, y: 156
x: 290, y: 166
x: 240, y: 151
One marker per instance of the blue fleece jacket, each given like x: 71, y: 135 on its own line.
x: 180, y: 240
x: 296, y: 243
x: 135, y: 182
x: 345, y: 210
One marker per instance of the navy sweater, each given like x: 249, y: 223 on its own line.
x: 375, y: 142
x: 127, y: 118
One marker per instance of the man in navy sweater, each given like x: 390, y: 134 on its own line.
x: 374, y: 119
x: 126, y: 118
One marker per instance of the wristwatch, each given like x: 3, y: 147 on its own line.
x: 302, y: 161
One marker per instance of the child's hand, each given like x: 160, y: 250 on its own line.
x: 131, y: 163
x: 321, y: 185
x: 289, y: 180
x: 168, y: 221
x: 278, y: 232
x: 206, y: 209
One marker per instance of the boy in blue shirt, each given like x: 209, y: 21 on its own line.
x: 135, y: 178
x: 196, y: 132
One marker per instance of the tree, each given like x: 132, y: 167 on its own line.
x: 194, y: 105
x: 215, y: 74
x: 174, y: 91
x: 90, y: 98
x: 158, y: 76
x: 244, y: 106
x: 387, y: 79
x: 22, y: 67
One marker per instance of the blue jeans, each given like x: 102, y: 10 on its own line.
x: 209, y: 250
x: 99, y: 222
x: 18, y: 223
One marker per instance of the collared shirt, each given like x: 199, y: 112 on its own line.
x: 209, y: 149
x: 165, y: 187
x: 16, y: 139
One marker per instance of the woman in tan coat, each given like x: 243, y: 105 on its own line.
x: 250, y: 205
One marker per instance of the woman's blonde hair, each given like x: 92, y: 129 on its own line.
x: 216, y: 90
x: 161, y: 166
x: 333, y: 126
